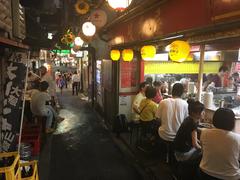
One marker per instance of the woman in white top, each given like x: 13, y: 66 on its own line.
x: 221, y: 148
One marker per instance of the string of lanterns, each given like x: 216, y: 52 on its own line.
x: 179, y: 51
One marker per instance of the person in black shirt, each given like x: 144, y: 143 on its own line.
x: 186, y: 143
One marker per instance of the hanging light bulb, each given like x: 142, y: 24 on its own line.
x: 88, y: 29
x: 78, y: 41
x: 119, y: 5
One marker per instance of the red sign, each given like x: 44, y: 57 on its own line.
x: 128, y: 74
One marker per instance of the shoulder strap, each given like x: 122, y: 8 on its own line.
x: 143, y: 108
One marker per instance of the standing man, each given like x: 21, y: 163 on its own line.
x: 172, y: 112
x: 49, y: 79
x: 75, y: 83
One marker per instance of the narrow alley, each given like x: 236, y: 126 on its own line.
x: 82, y: 148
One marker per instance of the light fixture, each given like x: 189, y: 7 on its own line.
x: 172, y: 37
x: 78, y: 41
x: 119, y: 5
x: 127, y: 55
x: 148, y: 52
x: 179, y: 51
x: 88, y: 29
x: 115, y: 55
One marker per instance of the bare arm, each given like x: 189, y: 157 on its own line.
x: 195, y: 140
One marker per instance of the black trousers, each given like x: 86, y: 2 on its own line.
x: 75, y: 88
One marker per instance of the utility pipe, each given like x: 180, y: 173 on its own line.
x: 200, y: 74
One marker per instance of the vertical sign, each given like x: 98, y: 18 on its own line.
x: 11, y: 105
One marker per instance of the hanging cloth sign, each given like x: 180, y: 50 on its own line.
x: 16, y: 73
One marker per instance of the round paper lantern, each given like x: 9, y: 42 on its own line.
x: 88, y: 29
x: 148, y: 52
x: 115, y: 55
x: 119, y: 5
x: 127, y: 54
x: 78, y: 41
x: 179, y: 51
x: 82, y: 7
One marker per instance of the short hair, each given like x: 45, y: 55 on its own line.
x: 43, y: 67
x: 177, y: 90
x: 142, y: 85
x: 43, y: 86
x: 149, y: 80
x: 224, y: 119
x: 195, y: 106
x: 150, y: 92
x: 223, y: 68
x: 157, y: 83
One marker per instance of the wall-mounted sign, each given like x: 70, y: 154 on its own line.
x: 158, y: 57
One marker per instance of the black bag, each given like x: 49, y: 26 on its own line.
x: 120, y: 124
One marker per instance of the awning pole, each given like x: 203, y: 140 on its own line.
x: 200, y: 74
x: 23, y: 105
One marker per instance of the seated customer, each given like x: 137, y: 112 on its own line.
x: 147, y: 107
x: 39, y: 107
x: 147, y: 112
x: 172, y: 112
x: 158, y: 96
x: 221, y: 148
x: 186, y: 143
x: 137, y: 100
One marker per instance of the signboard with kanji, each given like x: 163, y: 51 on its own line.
x: 14, y: 87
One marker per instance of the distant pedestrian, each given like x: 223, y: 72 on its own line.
x: 75, y: 83
x: 65, y: 77
x: 61, y: 83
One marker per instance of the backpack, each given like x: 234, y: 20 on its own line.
x: 120, y: 124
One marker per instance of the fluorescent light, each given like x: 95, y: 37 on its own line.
x: 172, y: 37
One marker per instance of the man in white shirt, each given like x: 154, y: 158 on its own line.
x: 49, y: 79
x: 57, y: 73
x: 172, y: 112
x: 137, y: 100
x: 75, y: 83
x: 39, y: 107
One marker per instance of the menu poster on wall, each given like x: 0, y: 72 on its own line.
x: 16, y: 73
x: 128, y: 74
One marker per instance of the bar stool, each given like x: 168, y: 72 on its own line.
x: 134, y: 126
x: 169, y: 151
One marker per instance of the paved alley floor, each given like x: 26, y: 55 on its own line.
x: 82, y: 149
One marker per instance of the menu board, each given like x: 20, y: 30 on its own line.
x: 129, y: 74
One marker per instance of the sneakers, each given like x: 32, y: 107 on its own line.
x: 49, y: 130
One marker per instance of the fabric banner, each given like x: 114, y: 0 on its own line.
x: 14, y: 88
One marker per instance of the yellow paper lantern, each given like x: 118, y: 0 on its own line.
x: 115, y: 55
x: 127, y: 55
x: 148, y: 52
x: 179, y: 51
